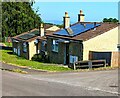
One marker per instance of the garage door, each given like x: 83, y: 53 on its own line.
x: 101, y: 55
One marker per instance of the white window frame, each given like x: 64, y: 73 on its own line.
x: 14, y: 50
x: 24, y: 47
x: 55, y: 46
x: 36, y: 41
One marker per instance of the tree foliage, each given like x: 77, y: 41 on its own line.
x: 113, y: 20
x: 18, y: 17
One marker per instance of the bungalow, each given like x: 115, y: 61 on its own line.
x: 84, y: 41
x: 32, y: 42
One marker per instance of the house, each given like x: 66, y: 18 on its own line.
x: 32, y: 42
x: 84, y: 41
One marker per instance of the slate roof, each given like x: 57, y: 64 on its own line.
x: 86, y: 35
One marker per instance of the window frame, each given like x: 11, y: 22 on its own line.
x: 24, y: 47
x: 54, y: 45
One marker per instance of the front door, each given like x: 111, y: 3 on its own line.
x: 67, y: 53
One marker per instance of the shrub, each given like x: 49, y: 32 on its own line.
x: 41, y: 57
x: 37, y: 57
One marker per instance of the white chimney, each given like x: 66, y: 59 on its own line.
x: 41, y: 30
x: 66, y: 20
x: 81, y: 16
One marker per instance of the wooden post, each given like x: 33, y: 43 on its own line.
x: 90, y: 64
x: 105, y: 64
x: 74, y: 66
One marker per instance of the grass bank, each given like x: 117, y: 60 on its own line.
x: 8, y: 57
x: 8, y: 44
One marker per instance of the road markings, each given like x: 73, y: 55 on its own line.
x: 63, y: 82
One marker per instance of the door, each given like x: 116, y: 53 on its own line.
x: 67, y: 53
x: 102, y: 55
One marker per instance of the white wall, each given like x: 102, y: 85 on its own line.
x: 105, y: 42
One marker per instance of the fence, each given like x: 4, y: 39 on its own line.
x: 89, y: 64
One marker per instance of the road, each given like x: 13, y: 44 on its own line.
x: 94, y: 83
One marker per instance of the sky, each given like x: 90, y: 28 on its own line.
x: 94, y: 11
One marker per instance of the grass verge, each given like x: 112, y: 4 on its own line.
x: 10, y: 58
x: 8, y: 44
x: 19, y: 71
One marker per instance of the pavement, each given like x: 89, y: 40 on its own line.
x: 10, y: 67
x: 94, y: 83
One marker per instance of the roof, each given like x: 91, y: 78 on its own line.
x: 34, y: 34
x: 28, y: 36
x: 53, y: 28
x: 46, y: 26
x: 83, y: 34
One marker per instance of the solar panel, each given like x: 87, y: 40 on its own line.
x: 29, y: 35
x: 62, y: 32
x: 26, y: 36
x: 36, y: 32
x: 77, y: 29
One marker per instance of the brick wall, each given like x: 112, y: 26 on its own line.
x: 75, y: 49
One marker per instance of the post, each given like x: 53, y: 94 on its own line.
x: 90, y: 64
x: 74, y: 66
x: 105, y: 63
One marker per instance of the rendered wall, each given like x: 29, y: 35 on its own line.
x: 32, y: 49
x: 104, y: 42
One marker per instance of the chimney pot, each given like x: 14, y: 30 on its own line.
x: 81, y: 12
x: 81, y: 16
x: 66, y: 14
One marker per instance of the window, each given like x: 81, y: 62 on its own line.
x: 43, y: 45
x: 14, y: 49
x: 55, y: 46
x: 73, y: 59
x: 36, y: 41
x: 24, y: 47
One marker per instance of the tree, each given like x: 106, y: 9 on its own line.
x: 113, y: 20
x: 18, y: 17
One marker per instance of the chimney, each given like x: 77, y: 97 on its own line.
x: 81, y: 16
x: 94, y: 25
x: 41, y: 30
x: 66, y: 20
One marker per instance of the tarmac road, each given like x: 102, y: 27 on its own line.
x: 94, y: 83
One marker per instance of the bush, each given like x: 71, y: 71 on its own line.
x: 37, y: 57
x: 41, y: 57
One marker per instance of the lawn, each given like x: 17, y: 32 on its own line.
x: 8, y: 57
x: 8, y: 44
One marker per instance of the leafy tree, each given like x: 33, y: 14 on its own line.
x: 113, y: 20
x: 18, y: 17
